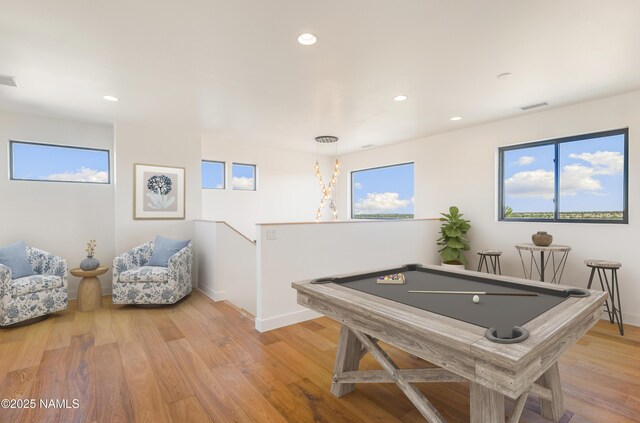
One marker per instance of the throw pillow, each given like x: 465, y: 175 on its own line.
x: 14, y: 256
x: 163, y: 249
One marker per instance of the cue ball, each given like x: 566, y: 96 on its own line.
x: 476, y: 299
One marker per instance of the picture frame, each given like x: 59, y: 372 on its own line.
x: 158, y: 192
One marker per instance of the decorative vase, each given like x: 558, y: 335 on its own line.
x: 90, y: 263
x: 542, y: 239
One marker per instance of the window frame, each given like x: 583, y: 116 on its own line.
x: 44, y: 144
x: 556, y: 142
x: 351, y: 216
x: 224, y: 173
x: 255, y: 177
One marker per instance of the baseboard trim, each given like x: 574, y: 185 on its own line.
x: 630, y: 319
x: 265, y: 325
x: 214, y: 295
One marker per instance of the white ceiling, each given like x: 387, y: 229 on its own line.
x: 235, y: 69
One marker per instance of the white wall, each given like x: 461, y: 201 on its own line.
x: 59, y: 217
x: 287, y: 187
x: 460, y: 168
x: 313, y: 250
x: 226, y: 264
x: 158, y: 144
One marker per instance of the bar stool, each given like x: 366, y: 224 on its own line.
x: 490, y: 257
x: 601, y: 266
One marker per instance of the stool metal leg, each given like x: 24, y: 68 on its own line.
x: 605, y: 287
x: 618, y: 309
x: 493, y: 264
x: 593, y: 271
x: 482, y: 259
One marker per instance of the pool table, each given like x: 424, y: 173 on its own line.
x: 504, y: 345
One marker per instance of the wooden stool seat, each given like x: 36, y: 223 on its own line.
x: 490, y: 257
x: 610, y: 285
x: 490, y: 252
x: 605, y: 264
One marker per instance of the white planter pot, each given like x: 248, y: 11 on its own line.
x: 453, y: 266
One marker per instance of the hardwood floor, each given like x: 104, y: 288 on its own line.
x: 200, y: 361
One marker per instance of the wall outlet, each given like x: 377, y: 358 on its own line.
x: 272, y: 234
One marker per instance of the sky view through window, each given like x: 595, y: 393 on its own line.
x: 591, y: 176
x: 212, y: 175
x: 383, y: 192
x: 58, y: 163
x: 243, y: 177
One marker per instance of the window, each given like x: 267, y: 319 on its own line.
x: 382, y: 192
x: 58, y: 163
x: 213, y: 174
x: 243, y: 177
x: 575, y: 179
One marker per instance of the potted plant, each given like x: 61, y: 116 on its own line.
x: 453, y: 240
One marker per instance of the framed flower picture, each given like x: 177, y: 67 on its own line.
x: 158, y: 192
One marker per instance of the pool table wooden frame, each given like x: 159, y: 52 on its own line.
x: 460, y: 349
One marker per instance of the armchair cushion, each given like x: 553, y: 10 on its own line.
x: 163, y: 249
x: 145, y: 274
x: 34, y: 283
x: 14, y: 256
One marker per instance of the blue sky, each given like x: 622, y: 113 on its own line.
x: 44, y: 162
x: 243, y: 177
x: 212, y: 175
x: 591, y: 176
x: 386, y: 190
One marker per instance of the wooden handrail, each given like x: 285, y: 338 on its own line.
x: 230, y: 227
x: 347, y: 221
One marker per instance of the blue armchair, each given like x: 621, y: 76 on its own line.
x: 36, y: 295
x: 134, y: 282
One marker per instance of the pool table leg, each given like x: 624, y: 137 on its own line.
x: 554, y: 409
x: 347, y: 359
x: 487, y: 405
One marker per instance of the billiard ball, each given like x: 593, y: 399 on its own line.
x: 476, y: 299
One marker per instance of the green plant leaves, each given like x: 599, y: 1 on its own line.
x: 454, y: 243
x: 452, y: 237
x: 449, y: 254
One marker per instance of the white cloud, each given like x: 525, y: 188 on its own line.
x: 574, y: 178
x: 357, y: 185
x: 383, y: 202
x: 577, y: 178
x: 81, y: 175
x: 219, y: 186
x: 241, y: 182
x: 533, y: 183
x: 525, y: 160
x: 602, y: 162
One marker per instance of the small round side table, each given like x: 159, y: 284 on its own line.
x: 90, y: 290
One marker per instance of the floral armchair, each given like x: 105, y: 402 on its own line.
x: 36, y: 295
x: 136, y: 283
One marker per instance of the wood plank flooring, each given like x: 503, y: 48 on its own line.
x: 200, y: 361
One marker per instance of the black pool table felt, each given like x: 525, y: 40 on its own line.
x: 497, y: 311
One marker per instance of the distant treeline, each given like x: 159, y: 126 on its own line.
x: 596, y: 215
x: 383, y: 216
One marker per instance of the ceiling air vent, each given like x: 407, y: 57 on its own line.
x: 8, y: 80
x: 534, y: 106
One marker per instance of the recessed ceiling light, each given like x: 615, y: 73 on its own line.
x: 401, y: 97
x: 111, y: 98
x: 307, y: 39
x: 456, y: 118
x: 505, y: 75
